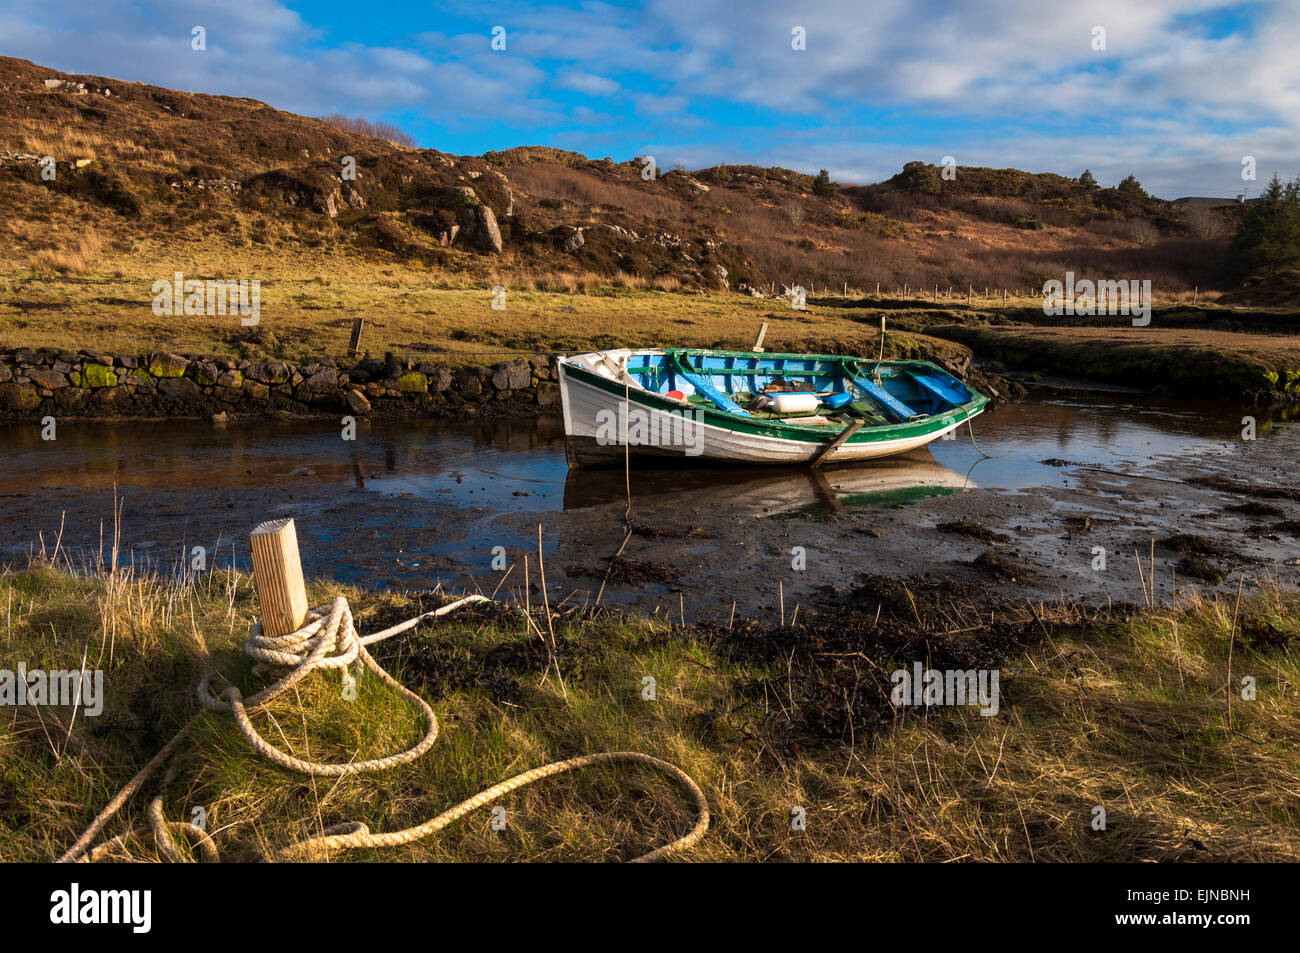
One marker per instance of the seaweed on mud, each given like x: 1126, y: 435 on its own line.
x: 631, y: 572
x: 1225, y: 485
x: 998, y: 566
x: 1261, y: 635
x: 659, y: 532
x: 1190, y: 544
x: 1254, y: 508
x: 437, y: 666
x: 974, y: 531
x: 831, y: 678
x: 1197, y: 567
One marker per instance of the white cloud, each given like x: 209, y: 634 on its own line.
x: 588, y: 83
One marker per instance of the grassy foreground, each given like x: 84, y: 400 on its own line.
x: 1132, y: 713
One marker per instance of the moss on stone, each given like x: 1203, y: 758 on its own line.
x: 98, y: 375
x: 162, y: 368
x: 413, y: 382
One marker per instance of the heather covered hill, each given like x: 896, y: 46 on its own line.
x: 140, y: 166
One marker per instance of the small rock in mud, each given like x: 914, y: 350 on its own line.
x: 1198, y: 568
x: 998, y: 566
x: 1192, y: 545
x: 1255, y: 509
x: 874, y: 532
x: 973, y: 530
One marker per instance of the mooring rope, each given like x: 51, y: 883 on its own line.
x: 328, y: 640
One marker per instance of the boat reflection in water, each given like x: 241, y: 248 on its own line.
x: 768, y: 492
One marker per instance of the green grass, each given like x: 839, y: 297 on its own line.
x: 1128, y: 712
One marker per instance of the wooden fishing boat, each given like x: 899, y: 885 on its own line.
x: 753, y: 407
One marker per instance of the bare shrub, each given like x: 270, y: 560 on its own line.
x: 376, y: 130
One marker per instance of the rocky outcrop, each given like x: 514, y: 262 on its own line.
x: 477, y: 222
x: 36, y: 383
x: 573, y: 242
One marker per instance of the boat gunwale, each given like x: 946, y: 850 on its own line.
x: 780, y: 429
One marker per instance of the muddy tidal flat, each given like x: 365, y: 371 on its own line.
x: 1050, y: 501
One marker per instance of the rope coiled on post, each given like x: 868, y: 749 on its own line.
x: 328, y: 640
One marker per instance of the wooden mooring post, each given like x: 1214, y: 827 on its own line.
x: 277, y: 574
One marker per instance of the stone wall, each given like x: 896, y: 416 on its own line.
x: 36, y: 383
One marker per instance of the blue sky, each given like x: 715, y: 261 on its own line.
x: 1182, y: 91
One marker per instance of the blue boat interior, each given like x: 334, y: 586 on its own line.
x: 847, y: 388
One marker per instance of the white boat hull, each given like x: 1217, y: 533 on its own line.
x: 601, y: 429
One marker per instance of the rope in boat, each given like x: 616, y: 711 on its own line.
x: 328, y: 640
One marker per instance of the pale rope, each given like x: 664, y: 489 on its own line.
x: 328, y: 640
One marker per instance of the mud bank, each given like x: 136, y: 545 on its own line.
x: 37, y: 383
x: 1217, y: 364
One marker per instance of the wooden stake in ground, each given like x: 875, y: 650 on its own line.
x: 277, y: 573
x: 354, y: 344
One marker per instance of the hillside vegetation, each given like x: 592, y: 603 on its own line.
x: 150, y: 175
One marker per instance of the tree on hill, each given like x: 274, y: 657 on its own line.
x: 822, y: 184
x: 1268, y: 240
x: 1088, y: 180
x: 1131, y: 186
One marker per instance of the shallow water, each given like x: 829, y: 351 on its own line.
x: 417, y: 502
